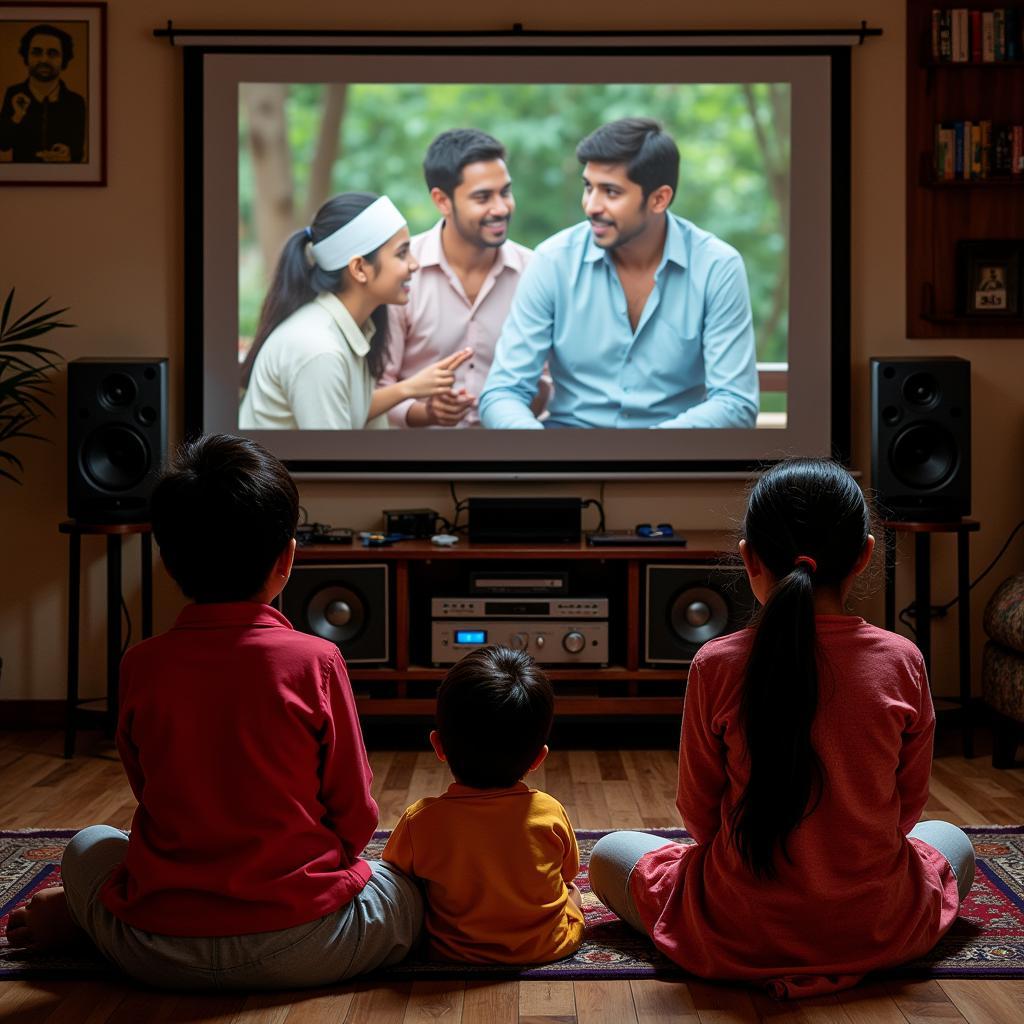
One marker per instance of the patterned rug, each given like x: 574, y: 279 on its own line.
x: 987, y: 940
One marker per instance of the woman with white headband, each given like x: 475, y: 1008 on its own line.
x: 322, y: 340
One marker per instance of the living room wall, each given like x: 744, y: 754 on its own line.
x: 114, y: 256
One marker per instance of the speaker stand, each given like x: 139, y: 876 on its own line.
x: 963, y: 528
x: 76, y: 706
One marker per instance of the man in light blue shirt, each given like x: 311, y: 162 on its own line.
x: 643, y: 318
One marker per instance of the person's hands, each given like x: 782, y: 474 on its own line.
x: 56, y: 154
x: 437, y: 378
x: 449, y: 407
x: 20, y: 102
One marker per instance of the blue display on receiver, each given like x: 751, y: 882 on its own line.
x: 471, y: 636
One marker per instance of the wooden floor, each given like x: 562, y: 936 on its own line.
x: 600, y: 789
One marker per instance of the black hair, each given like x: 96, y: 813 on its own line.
x: 222, y: 514
x: 799, y: 507
x: 641, y: 145
x: 454, y: 149
x: 494, y: 714
x: 297, y: 280
x: 67, y: 44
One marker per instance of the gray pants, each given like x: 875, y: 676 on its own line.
x: 615, y: 856
x: 376, y: 929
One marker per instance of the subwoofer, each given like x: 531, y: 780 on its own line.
x: 921, y: 437
x: 346, y: 604
x: 117, y: 437
x: 687, y: 605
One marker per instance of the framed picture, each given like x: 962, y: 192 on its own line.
x: 989, y: 277
x: 53, y: 81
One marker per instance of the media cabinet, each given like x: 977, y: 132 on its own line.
x: 418, y: 571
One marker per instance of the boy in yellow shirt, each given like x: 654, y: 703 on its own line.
x: 496, y: 858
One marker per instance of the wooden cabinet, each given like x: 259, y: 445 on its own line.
x: 942, y: 213
x: 627, y: 685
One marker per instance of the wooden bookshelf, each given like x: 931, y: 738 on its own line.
x: 942, y: 213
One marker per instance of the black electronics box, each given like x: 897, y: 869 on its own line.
x: 524, y: 520
x: 413, y: 522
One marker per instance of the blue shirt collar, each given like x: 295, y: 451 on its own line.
x: 675, y: 246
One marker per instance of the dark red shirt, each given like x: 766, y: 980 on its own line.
x: 240, y: 739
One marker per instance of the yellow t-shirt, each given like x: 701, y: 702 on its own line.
x: 496, y: 863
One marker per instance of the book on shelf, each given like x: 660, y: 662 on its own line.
x: 962, y: 35
x: 977, y: 150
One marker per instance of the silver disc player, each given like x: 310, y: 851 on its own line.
x: 555, y: 631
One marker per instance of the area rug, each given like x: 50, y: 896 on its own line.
x: 987, y: 940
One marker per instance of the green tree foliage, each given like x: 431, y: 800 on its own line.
x: 730, y: 181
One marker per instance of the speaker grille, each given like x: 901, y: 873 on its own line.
x: 346, y: 604
x: 687, y: 605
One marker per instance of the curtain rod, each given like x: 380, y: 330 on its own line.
x: 219, y: 36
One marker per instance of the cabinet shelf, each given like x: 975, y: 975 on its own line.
x: 972, y: 183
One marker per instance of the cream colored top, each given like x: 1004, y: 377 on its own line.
x: 312, y: 374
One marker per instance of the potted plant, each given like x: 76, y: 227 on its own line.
x: 25, y: 368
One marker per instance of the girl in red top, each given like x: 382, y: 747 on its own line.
x: 803, y: 769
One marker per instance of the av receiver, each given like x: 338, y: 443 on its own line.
x: 555, y: 631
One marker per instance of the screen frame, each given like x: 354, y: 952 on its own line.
x: 506, y: 465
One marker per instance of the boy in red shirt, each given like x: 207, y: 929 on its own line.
x: 497, y: 858
x: 240, y: 739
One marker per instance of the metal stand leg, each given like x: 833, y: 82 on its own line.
x: 923, y: 596
x: 113, y: 627
x: 74, y: 607
x: 963, y: 589
x: 889, y: 540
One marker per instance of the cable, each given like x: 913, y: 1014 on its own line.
x: 938, y: 610
x: 460, y: 507
x: 305, y: 515
x: 128, y: 620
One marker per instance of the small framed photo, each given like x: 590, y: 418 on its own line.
x: 53, y: 82
x: 989, y: 277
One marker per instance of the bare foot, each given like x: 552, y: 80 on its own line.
x: 45, y: 923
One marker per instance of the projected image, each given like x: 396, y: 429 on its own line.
x: 513, y: 256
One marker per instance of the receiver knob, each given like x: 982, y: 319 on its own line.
x: 539, y: 639
x: 574, y: 642
x: 519, y: 641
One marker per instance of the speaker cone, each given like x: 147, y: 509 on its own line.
x: 117, y: 390
x: 923, y: 456
x: 115, y: 458
x: 336, y: 613
x: 698, y: 614
x: 921, y: 390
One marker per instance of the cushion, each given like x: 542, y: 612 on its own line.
x: 1004, y: 613
x: 1002, y: 680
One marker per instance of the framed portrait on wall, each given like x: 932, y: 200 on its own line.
x: 989, y: 277
x: 53, y: 87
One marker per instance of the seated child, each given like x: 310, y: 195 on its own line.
x: 240, y: 739
x: 497, y: 858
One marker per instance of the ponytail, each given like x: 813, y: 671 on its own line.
x: 807, y: 522
x: 777, y: 709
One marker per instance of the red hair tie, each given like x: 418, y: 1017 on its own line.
x: 806, y: 560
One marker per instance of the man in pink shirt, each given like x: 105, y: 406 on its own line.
x: 469, y: 271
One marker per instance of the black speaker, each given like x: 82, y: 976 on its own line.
x: 117, y: 437
x: 687, y: 605
x: 921, y: 437
x: 346, y: 604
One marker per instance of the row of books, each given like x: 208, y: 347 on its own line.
x: 963, y: 36
x: 969, y: 150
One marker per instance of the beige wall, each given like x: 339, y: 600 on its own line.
x: 114, y: 256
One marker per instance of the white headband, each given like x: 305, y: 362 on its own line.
x: 361, y: 235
